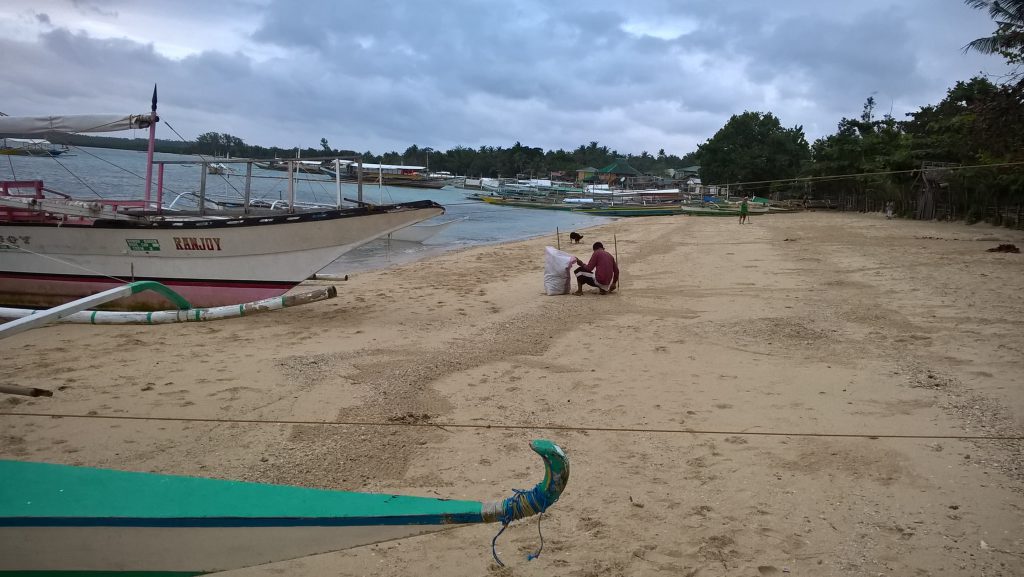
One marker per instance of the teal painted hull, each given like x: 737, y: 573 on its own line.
x: 62, y: 520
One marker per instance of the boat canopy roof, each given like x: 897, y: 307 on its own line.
x: 36, y: 126
x: 368, y: 166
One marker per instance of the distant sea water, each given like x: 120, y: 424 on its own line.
x: 99, y: 172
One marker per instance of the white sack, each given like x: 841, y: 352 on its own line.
x: 557, y: 265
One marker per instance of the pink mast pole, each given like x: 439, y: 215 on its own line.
x: 152, y: 145
x: 159, y: 189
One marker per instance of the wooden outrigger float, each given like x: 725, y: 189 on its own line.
x: 64, y: 520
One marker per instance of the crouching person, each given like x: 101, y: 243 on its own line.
x: 602, y: 271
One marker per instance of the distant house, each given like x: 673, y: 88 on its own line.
x: 684, y: 173
x: 617, y: 171
x: 586, y: 174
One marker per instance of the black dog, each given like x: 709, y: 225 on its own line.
x: 575, y: 237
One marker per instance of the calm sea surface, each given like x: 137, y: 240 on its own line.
x: 94, y: 172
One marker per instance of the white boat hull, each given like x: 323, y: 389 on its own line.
x: 211, y: 264
x: 156, y: 549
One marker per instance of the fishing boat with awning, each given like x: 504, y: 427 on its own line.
x: 25, y: 147
x: 56, y: 247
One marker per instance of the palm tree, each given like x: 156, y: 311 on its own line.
x: 1008, y: 38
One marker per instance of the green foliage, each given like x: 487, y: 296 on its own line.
x: 977, y: 123
x: 520, y: 159
x: 861, y: 146
x: 753, y: 147
x: 216, y: 144
x: 1008, y: 38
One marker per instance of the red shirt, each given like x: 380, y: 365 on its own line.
x: 604, y: 267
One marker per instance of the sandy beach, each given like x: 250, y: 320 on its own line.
x: 803, y: 395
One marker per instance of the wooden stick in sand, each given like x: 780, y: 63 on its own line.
x: 27, y: 391
x: 615, y: 241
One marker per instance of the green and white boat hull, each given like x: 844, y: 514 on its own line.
x: 64, y: 520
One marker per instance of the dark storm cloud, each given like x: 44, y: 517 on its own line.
x: 638, y: 76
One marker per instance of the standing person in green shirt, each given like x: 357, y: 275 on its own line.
x: 744, y: 210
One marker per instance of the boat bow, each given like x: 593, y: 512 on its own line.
x: 543, y: 495
x: 102, y: 520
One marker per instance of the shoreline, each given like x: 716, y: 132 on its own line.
x: 428, y: 254
x: 777, y: 335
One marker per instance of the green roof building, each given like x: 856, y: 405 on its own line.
x: 619, y: 168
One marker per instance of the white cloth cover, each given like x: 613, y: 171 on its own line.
x: 557, y: 265
x: 33, y: 126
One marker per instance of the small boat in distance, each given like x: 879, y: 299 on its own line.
x: 23, y: 147
x: 218, y: 168
x: 384, y: 175
x: 304, y: 166
x: 721, y: 209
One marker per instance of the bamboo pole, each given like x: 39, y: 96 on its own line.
x: 615, y: 243
x: 558, y: 238
x: 175, y: 316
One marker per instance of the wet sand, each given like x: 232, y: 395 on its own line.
x: 828, y: 364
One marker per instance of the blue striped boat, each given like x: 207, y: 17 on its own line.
x: 60, y: 520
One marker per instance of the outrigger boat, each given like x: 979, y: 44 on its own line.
x: 713, y: 209
x: 385, y: 175
x: 64, y: 520
x: 55, y: 248
x: 521, y: 202
x: 19, y: 147
x: 628, y: 210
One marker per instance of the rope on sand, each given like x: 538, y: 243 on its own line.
x: 513, y: 427
x: 522, y: 504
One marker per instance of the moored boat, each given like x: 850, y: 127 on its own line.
x: 384, y: 175
x: 23, y: 147
x: 218, y: 168
x: 714, y: 209
x: 629, y: 210
x: 59, y: 519
x: 521, y: 202
x: 211, y: 260
x: 303, y: 166
x: 56, y: 248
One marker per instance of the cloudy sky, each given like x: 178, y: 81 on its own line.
x: 635, y: 76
